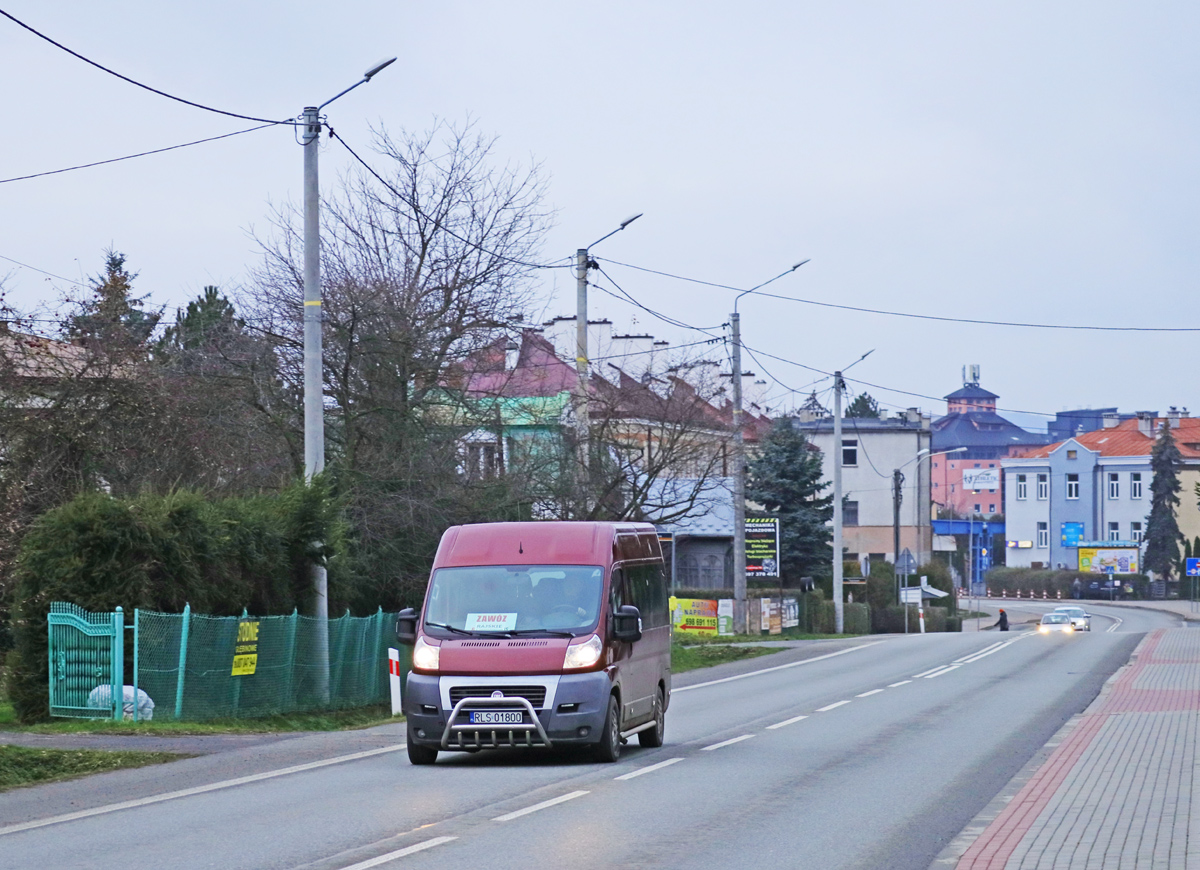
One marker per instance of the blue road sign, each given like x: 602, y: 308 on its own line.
x: 1193, y: 567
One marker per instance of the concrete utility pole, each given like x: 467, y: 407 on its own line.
x: 897, y: 498
x: 582, y: 421
x: 838, y: 606
x: 739, y: 483
x: 314, y: 393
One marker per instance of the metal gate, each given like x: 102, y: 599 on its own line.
x: 87, y: 662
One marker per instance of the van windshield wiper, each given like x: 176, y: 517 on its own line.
x: 522, y: 632
x: 455, y: 630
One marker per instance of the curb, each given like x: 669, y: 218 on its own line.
x: 954, y: 851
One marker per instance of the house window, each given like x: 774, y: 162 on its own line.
x: 977, y: 507
x: 1043, y: 535
x: 1072, y: 454
x: 1043, y: 487
x: 1135, y: 485
x: 481, y: 461
x: 849, y: 452
x: 1022, y: 487
x: 1072, y: 486
x: 1135, y: 532
x: 1114, y: 531
x: 849, y: 513
x: 991, y: 509
x: 1114, y: 485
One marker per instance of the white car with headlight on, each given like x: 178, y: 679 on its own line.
x: 1056, y: 622
x: 1080, y: 618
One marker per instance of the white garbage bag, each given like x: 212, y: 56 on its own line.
x: 101, y: 697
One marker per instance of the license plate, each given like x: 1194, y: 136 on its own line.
x: 496, y: 717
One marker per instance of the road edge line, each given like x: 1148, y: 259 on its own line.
x: 840, y: 652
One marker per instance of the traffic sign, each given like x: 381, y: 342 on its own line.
x: 1193, y: 567
x: 906, y: 564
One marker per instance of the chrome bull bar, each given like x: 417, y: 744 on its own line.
x: 528, y: 729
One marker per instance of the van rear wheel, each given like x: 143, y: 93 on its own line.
x: 652, y: 738
x: 608, y: 749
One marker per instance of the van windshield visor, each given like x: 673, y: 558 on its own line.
x: 497, y: 599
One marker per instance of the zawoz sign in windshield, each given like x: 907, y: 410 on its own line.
x: 762, y: 546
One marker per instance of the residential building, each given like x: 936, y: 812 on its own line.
x: 871, y: 449
x: 968, y: 483
x: 1095, y: 487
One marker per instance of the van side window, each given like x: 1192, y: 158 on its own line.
x: 648, y: 591
x: 616, y: 591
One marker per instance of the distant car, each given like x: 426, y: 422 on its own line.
x: 1056, y: 622
x: 1080, y: 618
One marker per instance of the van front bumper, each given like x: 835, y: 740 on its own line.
x: 573, y: 715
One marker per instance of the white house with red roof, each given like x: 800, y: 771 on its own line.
x: 1093, y: 487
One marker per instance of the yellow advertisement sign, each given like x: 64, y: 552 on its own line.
x: 245, y: 653
x: 694, y: 615
x: 1096, y: 560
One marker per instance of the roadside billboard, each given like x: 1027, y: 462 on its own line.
x: 1109, y: 560
x: 694, y: 615
x: 762, y: 546
x: 981, y: 478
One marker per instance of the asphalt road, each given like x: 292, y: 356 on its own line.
x: 870, y: 753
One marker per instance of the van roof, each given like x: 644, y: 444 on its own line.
x: 546, y: 543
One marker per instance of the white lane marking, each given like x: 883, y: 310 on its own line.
x: 901, y: 683
x: 727, y: 742
x: 840, y: 652
x: 649, y: 769
x: 791, y: 721
x: 927, y: 673
x: 200, y: 789
x: 977, y: 652
x: 829, y: 707
x: 943, y: 672
x: 1115, y: 625
x: 516, y: 814
x: 985, y: 653
x: 869, y: 694
x: 400, y: 853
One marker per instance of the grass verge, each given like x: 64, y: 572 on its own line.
x: 689, y: 658
x: 721, y: 639
x: 326, y: 720
x: 21, y: 765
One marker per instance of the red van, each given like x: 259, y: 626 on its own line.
x: 538, y: 635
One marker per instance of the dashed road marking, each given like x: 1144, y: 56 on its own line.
x: 516, y: 814
x: 901, y: 683
x: 829, y: 707
x: 729, y: 742
x: 927, y: 673
x: 943, y: 671
x: 400, y: 853
x: 869, y: 694
x: 648, y: 769
x: 786, y: 722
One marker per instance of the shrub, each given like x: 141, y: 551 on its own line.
x: 1053, y: 582
x: 161, y: 552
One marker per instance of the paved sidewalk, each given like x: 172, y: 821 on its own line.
x: 1120, y: 790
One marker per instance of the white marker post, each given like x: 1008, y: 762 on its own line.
x: 394, y: 679
x: 921, y: 604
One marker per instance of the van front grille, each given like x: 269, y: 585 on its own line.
x: 535, y: 695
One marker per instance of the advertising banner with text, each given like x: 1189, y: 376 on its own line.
x: 762, y: 546
x: 694, y: 615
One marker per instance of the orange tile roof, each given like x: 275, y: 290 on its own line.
x: 1126, y: 440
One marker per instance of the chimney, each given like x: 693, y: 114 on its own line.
x: 1111, y: 421
x: 1173, y: 417
x: 512, y: 352
x: 912, y: 415
x: 1145, y: 422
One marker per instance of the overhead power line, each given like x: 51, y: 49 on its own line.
x: 145, y: 87
x: 132, y: 156
x: 912, y: 315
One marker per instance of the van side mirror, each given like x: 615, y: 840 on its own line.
x: 627, y: 624
x: 406, y: 626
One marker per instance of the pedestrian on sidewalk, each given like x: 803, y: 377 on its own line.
x: 1002, y: 622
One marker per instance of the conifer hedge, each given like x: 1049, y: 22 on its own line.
x: 160, y: 552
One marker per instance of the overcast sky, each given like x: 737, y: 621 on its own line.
x: 1017, y: 161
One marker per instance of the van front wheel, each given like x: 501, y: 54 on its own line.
x: 608, y: 749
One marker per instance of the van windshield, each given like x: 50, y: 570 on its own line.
x: 506, y: 598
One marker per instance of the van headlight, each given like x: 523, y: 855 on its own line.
x: 583, y: 655
x: 425, y: 656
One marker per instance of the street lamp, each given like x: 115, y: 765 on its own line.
x: 898, y: 497
x: 314, y: 405
x: 583, y: 263
x: 739, y: 461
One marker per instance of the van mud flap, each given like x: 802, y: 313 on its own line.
x: 528, y: 734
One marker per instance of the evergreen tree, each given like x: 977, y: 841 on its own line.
x: 785, y: 478
x: 113, y: 319
x: 1162, y: 527
x: 863, y: 406
x: 207, y: 320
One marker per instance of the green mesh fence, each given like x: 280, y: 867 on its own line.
x: 197, y: 667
